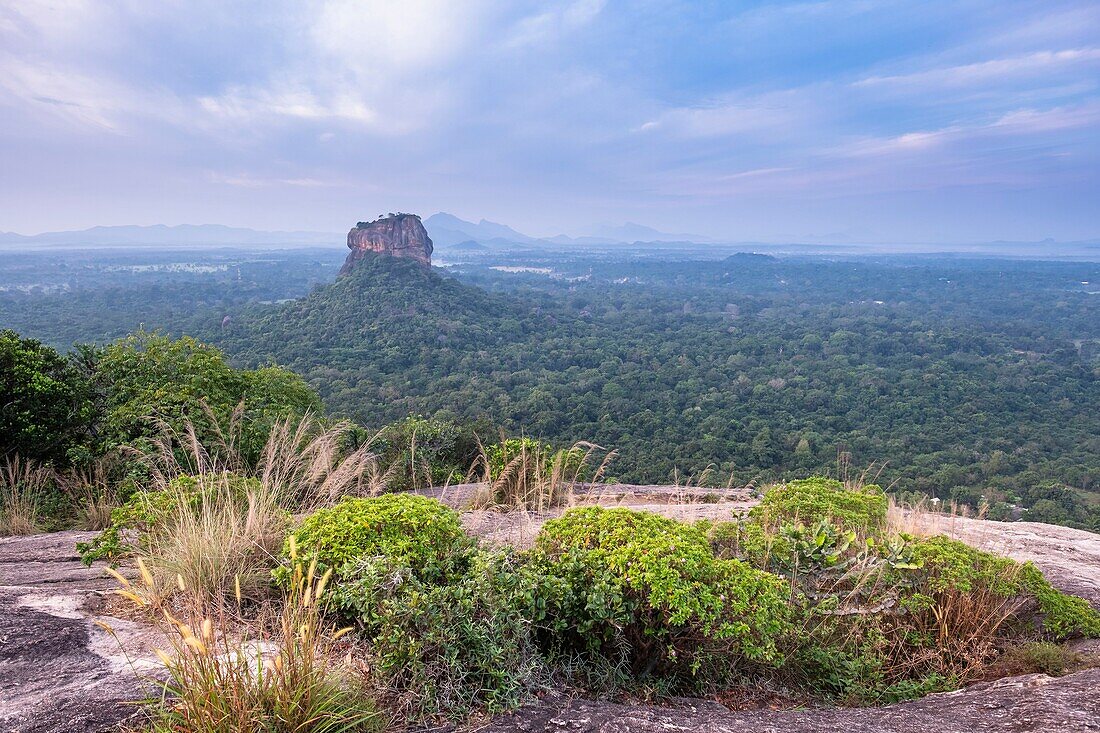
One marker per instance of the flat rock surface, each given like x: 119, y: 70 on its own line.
x: 1030, y: 703
x: 59, y: 672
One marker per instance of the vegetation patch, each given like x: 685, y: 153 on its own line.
x: 861, y: 509
x: 620, y: 583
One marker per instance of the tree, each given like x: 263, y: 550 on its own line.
x: 45, y: 410
x: 149, y: 380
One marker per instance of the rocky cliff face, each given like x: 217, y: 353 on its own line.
x: 400, y: 235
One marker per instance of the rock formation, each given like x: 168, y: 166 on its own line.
x: 396, y: 235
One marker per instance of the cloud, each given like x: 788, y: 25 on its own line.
x: 554, y: 24
x: 536, y: 112
x: 245, y: 180
x: 998, y: 71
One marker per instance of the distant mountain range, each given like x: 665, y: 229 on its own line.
x: 448, y: 230
x: 161, y: 234
x: 451, y: 232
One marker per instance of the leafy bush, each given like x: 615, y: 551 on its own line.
x: 620, y: 582
x: 448, y: 626
x: 406, y: 529
x: 448, y: 649
x: 951, y: 568
x: 46, y: 409
x: 186, y: 384
x: 425, y: 452
x: 928, y: 618
x: 861, y: 509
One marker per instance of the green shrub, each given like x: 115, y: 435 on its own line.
x: 811, y: 500
x: 449, y: 649
x: 620, y: 582
x: 425, y: 452
x: 1063, y: 615
x: 950, y: 565
x: 1035, y: 656
x: 448, y: 626
x: 146, y: 511
x: 933, y: 621
x: 403, y: 529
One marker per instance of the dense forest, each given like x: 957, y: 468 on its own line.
x: 974, y: 380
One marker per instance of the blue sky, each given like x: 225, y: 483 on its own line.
x: 856, y: 120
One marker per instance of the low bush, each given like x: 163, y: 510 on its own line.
x: 927, y: 617
x: 450, y: 649
x: 620, y: 583
x: 952, y: 570
x: 860, y: 509
x: 422, y: 452
x: 404, y: 530
x: 1032, y: 657
x: 448, y: 627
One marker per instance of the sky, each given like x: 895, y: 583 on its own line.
x: 839, y: 120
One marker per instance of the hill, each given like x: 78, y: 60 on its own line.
x: 960, y: 397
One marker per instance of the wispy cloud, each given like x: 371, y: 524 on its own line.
x: 1003, y: 71
x: 551, y: 114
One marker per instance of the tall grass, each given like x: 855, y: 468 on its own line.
x: 92, y: 489
x: 224, y: 546
x: 302, y: 464
x: 285, y: 678
x: 530, y: 476
x: 22, y: 483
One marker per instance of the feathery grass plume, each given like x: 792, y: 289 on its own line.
x: 526, y: 474
x: 302, y: 464
x: 22, y: 483
x: 222, y: 547
x: 285, y: 676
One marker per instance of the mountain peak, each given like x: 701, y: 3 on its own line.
x: 397, y: 235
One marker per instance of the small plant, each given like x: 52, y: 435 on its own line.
x: 461, y: 646
x: 1031, y: 657
x: 620, y: 583
x: 282, y: 680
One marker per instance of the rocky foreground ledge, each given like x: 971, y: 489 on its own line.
x: 60, y: 673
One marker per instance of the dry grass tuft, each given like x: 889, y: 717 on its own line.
x: 302, y: 465
x: 927, y: 518
x: 536, y: 478
x: 222, y: 548
x: 283, y: 678
x: 93, y: 491
x: 22, y: 482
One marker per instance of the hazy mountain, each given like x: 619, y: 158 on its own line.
x: 161, y: 234
x: 446, y: 229
x: 632, y: 232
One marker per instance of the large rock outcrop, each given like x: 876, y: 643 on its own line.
x: 397, y: 235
